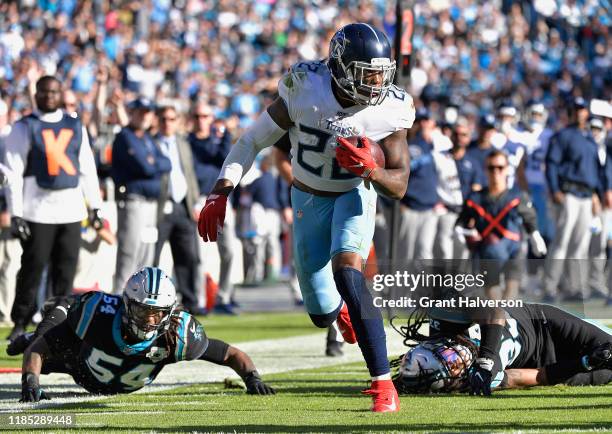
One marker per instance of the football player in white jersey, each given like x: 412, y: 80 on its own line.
x: 320, y: 104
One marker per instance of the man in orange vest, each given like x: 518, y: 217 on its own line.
x: 494, y: 217
x: 52, y: 177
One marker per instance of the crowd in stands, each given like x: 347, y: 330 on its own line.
x: 482, y: 72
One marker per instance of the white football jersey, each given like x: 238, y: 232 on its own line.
x: 318, y: 119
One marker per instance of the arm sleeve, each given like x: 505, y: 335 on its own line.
x: 89, y: 175
x: 17, y: 149
x: 61, y: 338
x: 528, y: 213
x: 216, y: 352
x: 264, y: 132
x: 554, y: 156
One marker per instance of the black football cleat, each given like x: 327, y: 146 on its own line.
x: 19, y: 344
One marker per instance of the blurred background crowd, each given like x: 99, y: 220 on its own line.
x: 200, y: 71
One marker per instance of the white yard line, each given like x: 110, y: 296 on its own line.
x: 270, y: 356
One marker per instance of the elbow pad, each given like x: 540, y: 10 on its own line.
x: 262, y: 134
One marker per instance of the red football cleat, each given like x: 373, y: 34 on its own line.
x: 345, y: 325
x: 384, y: 397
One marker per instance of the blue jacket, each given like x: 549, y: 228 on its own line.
x: 469, y: 173
x: 423, y: 180
x: 209, y: 155
x: 479, y: 158
x: 572, y: 157
x: 138, y: 164
x: 267, y: 191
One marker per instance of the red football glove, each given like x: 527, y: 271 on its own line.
x: 212, y: 217
x: 356, y: 160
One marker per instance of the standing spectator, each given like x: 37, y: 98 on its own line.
x: 268, y: 195
x: 497, y: 214
x: 574, y: 176
x: 457, y: 178
x: 482, y: 146
x: 9, y: 244
x: 137, y: 169
x: 418, y: 220
x: 177, y: 221
x: 597, y: 247
x: 210, y: 143
x: 51, y: 164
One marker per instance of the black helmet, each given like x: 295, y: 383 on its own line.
x: 360, y: 63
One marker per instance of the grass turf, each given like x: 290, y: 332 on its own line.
x: 242, y: 328
x: 328, y: 400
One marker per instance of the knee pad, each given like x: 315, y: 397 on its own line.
x: 326, y: 319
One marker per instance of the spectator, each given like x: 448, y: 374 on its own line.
x: 137, y: 169
x: 497, y: 214
x: 176, y: 222
x: 51, y: 164
x: 9, y: 244
x: 210, y: 143
x: 269, y: 198
x: 574, y: 177
x: 418, y: 218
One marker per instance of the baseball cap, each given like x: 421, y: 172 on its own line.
x: 142, y: 103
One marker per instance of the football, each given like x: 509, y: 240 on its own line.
x: 375, y: 150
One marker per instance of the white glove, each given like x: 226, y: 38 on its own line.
x: 538, y: 245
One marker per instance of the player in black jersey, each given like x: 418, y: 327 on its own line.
x: 118, y: 344
x: 538, y: 345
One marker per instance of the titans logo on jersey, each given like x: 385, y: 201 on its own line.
x: 318, y: 119
x: 90, y: 346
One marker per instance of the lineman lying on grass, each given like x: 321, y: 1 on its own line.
x: 539, y: 345
x: 111, y: 344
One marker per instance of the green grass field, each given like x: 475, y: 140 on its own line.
x: 328, y: 399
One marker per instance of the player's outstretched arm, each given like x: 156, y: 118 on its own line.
x: 221, y: 353
x: 32, y: 365
x: 518, y: 378
x: 267, y: 130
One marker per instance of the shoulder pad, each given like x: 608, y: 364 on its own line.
x: 191, y: 340
x: 401, y: 107
x: 82, y: 312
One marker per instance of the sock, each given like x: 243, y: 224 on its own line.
x: 366, y: 319
x: 384, y: 377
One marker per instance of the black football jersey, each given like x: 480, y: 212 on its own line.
x: 534, y: 335
x: 91, y: 345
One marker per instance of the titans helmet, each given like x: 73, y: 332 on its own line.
x: 535, y: 116
x: 149, y: 300
x: 360, y: 63
x: 439, y: 365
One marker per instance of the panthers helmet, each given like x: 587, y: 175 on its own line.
x: 439, y: 365
x: 360, y: 63
x: 148, y: 295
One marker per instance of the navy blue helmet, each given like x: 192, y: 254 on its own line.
x: 360, y: 63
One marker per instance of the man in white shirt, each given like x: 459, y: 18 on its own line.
x: 53, y: 180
